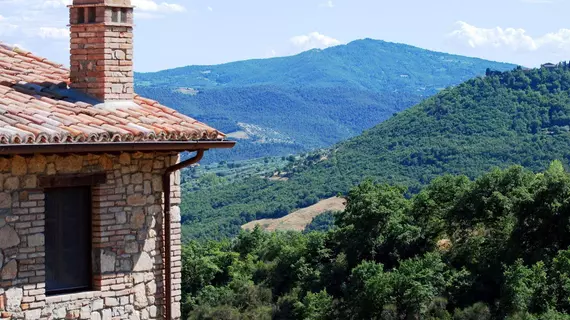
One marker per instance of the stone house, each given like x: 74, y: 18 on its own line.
x: 89, y: 180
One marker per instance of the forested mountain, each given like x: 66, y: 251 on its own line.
x: 516, y: 117
x: 496, y: 248
x: 317, y: 98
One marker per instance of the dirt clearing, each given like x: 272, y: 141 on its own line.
x: 299, y: 219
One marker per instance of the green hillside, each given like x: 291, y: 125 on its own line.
x: 312, y: 100
x: 496, y: 248
x: 518, y: 117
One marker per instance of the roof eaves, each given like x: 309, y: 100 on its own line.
x: 114, y: 147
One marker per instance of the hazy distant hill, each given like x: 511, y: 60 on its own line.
x: 509, y: 118
x: 314, y: 99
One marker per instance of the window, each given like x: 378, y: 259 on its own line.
x: 80, y: 15
x: 91, y: 14
x: 124, y: 15
x: 115, y: 15
x: 68, y: 240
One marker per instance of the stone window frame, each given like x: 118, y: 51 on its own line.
x: 97, y: 183
x: 98, y: 209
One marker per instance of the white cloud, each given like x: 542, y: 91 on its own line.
x: 6, y: 28
x: 54, y: 33
x: 149, y: 5
x: 171, y: 7
x: 55, y: 3
x: 509, y: 38
x: 210, y: 9
x: 328, y: 4
x: 313, y: 40
x: 510, y: 44
x: 46, y: 19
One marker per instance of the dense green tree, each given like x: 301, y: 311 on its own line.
x: 322, y: 222
x: 478, y: 311
x: 375, y: 226
x: 317, y: 306
x: 491, y: 248
x: 524, y: 288
x: 561, y: 279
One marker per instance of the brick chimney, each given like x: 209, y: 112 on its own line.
x: 102, y: 48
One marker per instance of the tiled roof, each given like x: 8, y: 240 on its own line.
x: 36, y: 107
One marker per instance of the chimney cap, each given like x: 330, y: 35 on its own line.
x: 111, y: 3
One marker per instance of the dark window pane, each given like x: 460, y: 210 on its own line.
x: 115, y: 15
x: 123, y: 15
x: 68, y: 240
x: 81, y: 15
x: 92, y: 14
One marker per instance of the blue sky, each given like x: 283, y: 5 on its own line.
x: 175, y: 33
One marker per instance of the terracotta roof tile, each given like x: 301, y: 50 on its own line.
x: 36, y: 106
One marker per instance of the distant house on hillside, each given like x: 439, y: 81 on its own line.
x: 549, y: 66
x: 490, y: 73
x: 89, y: 190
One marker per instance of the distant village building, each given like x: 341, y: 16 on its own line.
x: 89, y: 182
x: 549, y: 66
x: 490, y: 73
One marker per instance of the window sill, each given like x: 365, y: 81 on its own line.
x: 73, y: 296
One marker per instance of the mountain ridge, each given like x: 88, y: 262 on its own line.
x: 357, y: 41
x: 310, y: 100
x: 511, y: 118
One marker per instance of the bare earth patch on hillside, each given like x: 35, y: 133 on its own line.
x: 189, y: 91
x: 298, y: 220
x: 238, y: 135
x: 278, y: 178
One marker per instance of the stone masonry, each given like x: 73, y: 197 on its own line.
x: 102, y: 49
x: 126, y: 238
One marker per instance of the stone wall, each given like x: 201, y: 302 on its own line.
x: 126, y: 238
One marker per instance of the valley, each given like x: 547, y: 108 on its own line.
x: 455, y: 209
x: 272, y: 160
x: 291, y: 105
x: 515, y: 117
